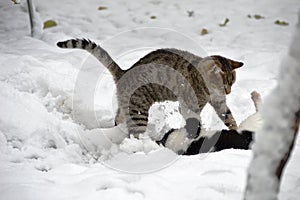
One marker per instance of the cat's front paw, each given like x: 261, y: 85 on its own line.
x: 233, y: 126
x: 230, y: 122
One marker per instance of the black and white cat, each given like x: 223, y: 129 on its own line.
x: 208, y: 141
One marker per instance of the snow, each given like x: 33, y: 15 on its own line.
x: 56, y: 106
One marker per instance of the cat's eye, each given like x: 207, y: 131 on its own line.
x: 216, y: 69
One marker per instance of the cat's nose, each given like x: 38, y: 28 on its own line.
x: 227, y: 90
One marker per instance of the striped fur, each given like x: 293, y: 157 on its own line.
x: 96, y: 51
x: 167, y: 74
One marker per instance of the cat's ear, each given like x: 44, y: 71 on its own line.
x: 236, y: 64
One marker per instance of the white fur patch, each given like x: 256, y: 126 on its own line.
x: 178, y: 140
x: 252, y: 123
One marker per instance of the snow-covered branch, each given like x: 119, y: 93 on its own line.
x: 275, y: 141
x: 35, y: 22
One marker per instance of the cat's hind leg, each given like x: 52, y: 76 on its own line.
x: 120, y: 118
x: 137, y: 120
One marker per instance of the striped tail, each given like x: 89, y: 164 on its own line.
x: 96, y: 51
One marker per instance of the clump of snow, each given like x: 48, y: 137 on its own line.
x: 163, y: 117
x: 143, y: 144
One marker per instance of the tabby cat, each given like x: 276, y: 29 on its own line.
x: 168, y: 74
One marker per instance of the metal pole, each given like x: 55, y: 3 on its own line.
x: 31, y: 16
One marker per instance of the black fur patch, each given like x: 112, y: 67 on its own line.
x: 195, y: 147
x: 193, y: 127
x: 225, y: 139
x: 74, y: 42
x: 93, y: 45
x: 84, y: 43
x: 233, y: 139
x: 61, y: 44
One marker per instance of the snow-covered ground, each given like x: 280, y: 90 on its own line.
x: 53, y: 100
